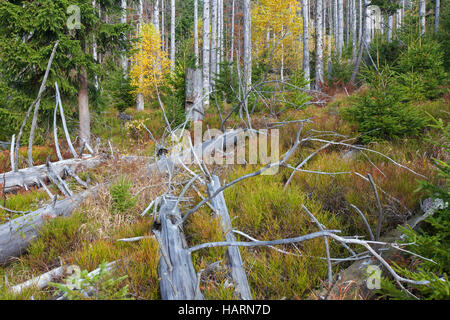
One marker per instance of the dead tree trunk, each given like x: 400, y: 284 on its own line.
x: 194, y: 88
x: 234, y: 256
x: 16, y: 235
x: 25, y: 178
x: 178, y: 277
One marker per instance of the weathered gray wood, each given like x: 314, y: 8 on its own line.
x: 194, y: 92
x: 28, y: 177
x: 234, y: 256
x: 56, y: 179
x: 225, y: 143
x: 16, y: 235
x: 178, y: 277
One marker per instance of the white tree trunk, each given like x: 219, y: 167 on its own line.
x: 163, y: 25
x: 156, y: 14
x: 123, y: 19
x: 83, y: 107
x: 336, y: 25
x: 422, y: 6
x: 94, y: 47
x: 172, y: 35
x: 437, y: 10
x: 319, y: 43
x: 390, y: 26
x: 206, y: 54
x: 247, y: 48
x: 219, y: 35
x: 214, y: 20
x: 354, y: 30
x: 196, y: 51
x: 140, y: 96
x: 232, y: 31
x: 341, y: 26
x: 306, y: 68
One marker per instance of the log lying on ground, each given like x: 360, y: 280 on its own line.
x: 16, y: 235
x: 41, y: 281
x: 178, y: 277
x: 223, y: 143
x: 25, y: 178
x: 234, y: 256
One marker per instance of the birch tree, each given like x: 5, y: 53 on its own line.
x: 156, y: 14
x: 172, y: 35
x: 247, y: 48
x: 306, y: 68
x: 437, y: 9
x: 123, y: 19
x: 319, y: 43
x: 196, y: 51
x: 422, y: 18
x: 390, y: 26
x: 214, y: 20
x: 341, y: 26
x: 140, y: 96
x: 206, y: 54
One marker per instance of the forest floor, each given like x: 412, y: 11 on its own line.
x: 260, y: 207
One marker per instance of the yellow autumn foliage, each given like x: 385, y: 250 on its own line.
x: 150, y: 64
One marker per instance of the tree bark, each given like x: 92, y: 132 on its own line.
x: 123, y: 19
x: 177, y: 273
x: 319, y: 43
x: 234, y: 256
x: 16, y: 235
x: 206, y: 54
x: 437, y: 10
x: 140, y: 104
x: 196, y: 50
x: 306, y: 68
x: 361, y: 43
x: 422, y: 6
x: 214, y: 20
x: 30, y: 176
x: 83, y: 107
x: 172, y: 35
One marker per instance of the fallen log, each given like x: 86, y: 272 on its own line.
x: 178, y: 277
x: 223, y: 143
x: 26, y: 178
x: 16, y: 235
x: 234, y: 256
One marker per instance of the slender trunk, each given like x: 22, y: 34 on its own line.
x: 319, y: 43
x: 94, y: 47
x: 437, y: 10
x: 361, y: 44
x: 341, y: 25
x: 123, y: 19
x: 336, y: 25
x: 206, y: 54
x: 354, y: 34
x: 390, y: 26
x: 163, y: 26
x: 306, y: 68
x: 156, y: 14
x: 422, y: 6
x: 196, y: 51
x: 232, y: 31
x: 213, y: 40
x: 247, y: 48
x: 83, y: 107
x: 220, y: 35
x: 172, y: 35
x: 140, y: 96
